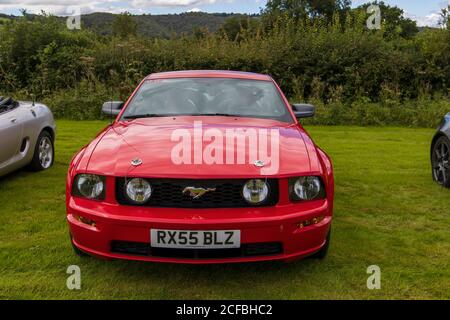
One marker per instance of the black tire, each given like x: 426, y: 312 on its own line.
x: 440, y: 161
x: 39, y: 163
x: 322, y: 253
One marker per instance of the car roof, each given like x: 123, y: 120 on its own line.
x: 209, y: 74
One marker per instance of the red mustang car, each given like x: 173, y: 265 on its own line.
x: 202, y: 167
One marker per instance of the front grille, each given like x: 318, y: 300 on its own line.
x: 168, y: 193
x: 247, y: 250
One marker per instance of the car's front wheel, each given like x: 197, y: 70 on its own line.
x: 44, y: 152
x: 440, y: 160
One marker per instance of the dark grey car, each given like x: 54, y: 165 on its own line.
x: 27, y: 134
x: 440, y: 153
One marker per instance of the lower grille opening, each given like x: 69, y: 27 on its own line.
x: 133, y: 248
x: 247, y: 250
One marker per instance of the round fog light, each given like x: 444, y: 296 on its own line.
x: 138, y: 190
x: 255, y: 191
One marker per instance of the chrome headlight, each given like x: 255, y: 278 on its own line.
x: 138, y: 191
x: 89, y: 186
x: 255, y: 191
x: 306, y: 188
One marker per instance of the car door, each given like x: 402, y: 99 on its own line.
x: 10, y: 132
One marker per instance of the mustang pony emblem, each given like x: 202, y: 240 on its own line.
x: 196, y: 193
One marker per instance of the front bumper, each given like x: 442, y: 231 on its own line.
x: 116, y: 223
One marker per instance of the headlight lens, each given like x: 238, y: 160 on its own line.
x: 255, y: 191
x: 307, y: 188
x: 138, y: 190
x: 90, y: 186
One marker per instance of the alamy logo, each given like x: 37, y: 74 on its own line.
x: 374, y: 280
x: 374, y: 21
x: 73, y: 21
x: 74, y: 280
x: 233, y: 146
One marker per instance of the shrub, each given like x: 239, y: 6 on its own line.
x: 353, y: 75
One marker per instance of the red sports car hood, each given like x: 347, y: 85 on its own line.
x: 201, y: 147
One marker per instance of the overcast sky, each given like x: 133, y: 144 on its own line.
x: 426, y: 12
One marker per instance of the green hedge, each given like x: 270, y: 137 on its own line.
x: 353, y: 75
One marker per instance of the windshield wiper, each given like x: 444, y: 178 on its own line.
x: 218, y: 115
x: 147, y: 115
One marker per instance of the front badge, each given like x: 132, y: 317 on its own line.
x: 197, y: 193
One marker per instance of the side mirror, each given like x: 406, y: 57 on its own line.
x: 302, y: 110
x: 112, y: 108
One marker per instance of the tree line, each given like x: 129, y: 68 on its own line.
x: 319, y: 51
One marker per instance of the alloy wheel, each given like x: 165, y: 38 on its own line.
x: 441, y: 162
x: 45, y: 152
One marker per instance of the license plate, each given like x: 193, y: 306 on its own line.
x: 183, y: 239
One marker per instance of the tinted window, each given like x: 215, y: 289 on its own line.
x: 7, y: 104
x: 208, y: 96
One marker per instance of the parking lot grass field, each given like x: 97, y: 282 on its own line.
x: 388, y: 212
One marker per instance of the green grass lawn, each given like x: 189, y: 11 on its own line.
x: 388, y: 212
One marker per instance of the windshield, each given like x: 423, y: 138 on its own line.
x: 208, y: 97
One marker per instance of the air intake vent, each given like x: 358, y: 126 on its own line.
x: 247, y: 250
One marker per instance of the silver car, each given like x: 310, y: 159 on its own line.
x: 27, y: 135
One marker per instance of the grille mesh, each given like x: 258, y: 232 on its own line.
x: 168, y: 193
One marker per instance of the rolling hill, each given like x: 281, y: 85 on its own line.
x: 154, y: 25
